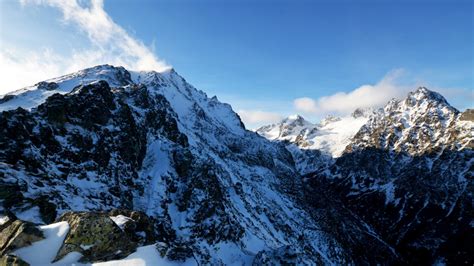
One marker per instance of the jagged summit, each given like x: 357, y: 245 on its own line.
x: 421, y: 109
x: 420, y: 99
x: 294, y: 117
x: 287, y: 129
x: 295, y: 120
x: 328, y: 136
x: 409, y: 165
x: 115, y: 76
x: 33, y: 96
x: 420, y: 123
x: 424, y: 93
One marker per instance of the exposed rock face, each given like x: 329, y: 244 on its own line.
x: 179, y: 170
x: 408, y: 173
x: 6, y: 98
x: 15, y: 234
x: 12, y: 260
x: 421, y: 123
x: 362, y: 112
x: 143, y: 229
x: 146, y: 141
x: 95, y: 236
x: 177, y: 251
x: 47, y: 86
x: 289, y: 129
x: 313, y: 146
x: 69, y: 134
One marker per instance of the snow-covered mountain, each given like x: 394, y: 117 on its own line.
x: 108, y: 164
x: 313, y: 145
x: 408, y: 174
x: 423, y: 122
x: 289, y: 129
x: 405, y: 169
x: 330, y: 136
x: 107, y: 138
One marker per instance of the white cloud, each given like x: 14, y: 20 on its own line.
x: 254, y: 118
x: 110, y: 44
x: 23, y: 69
x: 363, y: 96
x: 306, y: 105
x: 105, y: 34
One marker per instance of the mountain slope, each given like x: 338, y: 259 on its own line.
x: 314, y: 145
x: 408, y: 173
x: 150, y: 142
x: 331, y: 136
x: 423, y: 122
x: 406, y: 170
x: 129, y: 165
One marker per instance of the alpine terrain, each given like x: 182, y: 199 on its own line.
x: 108, y: 166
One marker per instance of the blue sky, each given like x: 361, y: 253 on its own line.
x: 268, y: 59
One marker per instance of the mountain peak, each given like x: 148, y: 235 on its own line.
x: 295, y: 119
x: 422, y: 94
x: 421, y: 100
x: 415, y: 125
x: 288, y: 128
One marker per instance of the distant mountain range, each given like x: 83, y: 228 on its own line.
x: 108, y: 164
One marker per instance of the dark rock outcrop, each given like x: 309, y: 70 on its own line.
x: 12, y: 260
x: 15, y: 234
x: 412, y: 184
x: 95, y: 236
x: 400, y: 194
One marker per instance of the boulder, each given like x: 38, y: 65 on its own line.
x: 95, y: 236
x: 15, y: 234
x: 142, y: 228
x: 12, y: 260
x: 49, y: 86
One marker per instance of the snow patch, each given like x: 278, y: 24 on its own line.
x: 44, y: 251
x: 146, y: 255
x: 120, y: 220
x: 31, y: 215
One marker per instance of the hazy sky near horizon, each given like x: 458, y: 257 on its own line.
x: 268, y: 59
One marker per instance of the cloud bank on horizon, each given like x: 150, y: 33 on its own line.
x: 394, y: 85
x: 365, y: 96
x: 340, y: 103
x: 109, y: 44
x: 253, y: 118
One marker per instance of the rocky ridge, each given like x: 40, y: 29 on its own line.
x: 162, y: 168
x: 407, y: 172
x: 106, y: 138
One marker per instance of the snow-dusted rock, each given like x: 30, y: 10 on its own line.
x: 379, y: 187
x: 314, y: 146
x: 108, y: 138
x: 408, y: 173
x: 16, y: 234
